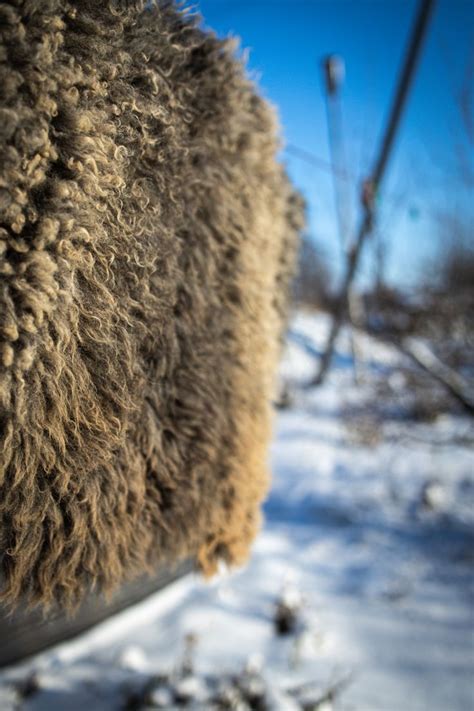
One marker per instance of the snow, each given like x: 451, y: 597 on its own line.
x: 368, y: 544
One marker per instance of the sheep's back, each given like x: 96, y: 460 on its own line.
x: 146, y: 244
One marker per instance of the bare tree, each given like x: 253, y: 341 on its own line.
x: 313, y: 281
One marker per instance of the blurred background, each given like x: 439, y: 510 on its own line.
x: 360, y: 590
x: 425, y: 208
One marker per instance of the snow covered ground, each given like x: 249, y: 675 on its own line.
x: 368, y: 540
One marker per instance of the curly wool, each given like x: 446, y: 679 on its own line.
x: 147, y: 239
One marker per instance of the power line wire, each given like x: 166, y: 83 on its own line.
x: 318, y: 162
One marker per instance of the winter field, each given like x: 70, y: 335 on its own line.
x: 360, y: 591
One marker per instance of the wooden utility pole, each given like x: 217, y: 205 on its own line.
x: 372, y: 184
x: 334, y: 71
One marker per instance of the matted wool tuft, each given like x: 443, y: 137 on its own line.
x: 147, y: 241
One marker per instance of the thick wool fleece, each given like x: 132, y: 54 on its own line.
x: 147, y: 237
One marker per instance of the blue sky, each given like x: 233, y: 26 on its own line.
x: 286, y: 40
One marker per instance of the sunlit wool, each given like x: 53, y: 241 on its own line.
x: 147, y: 237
